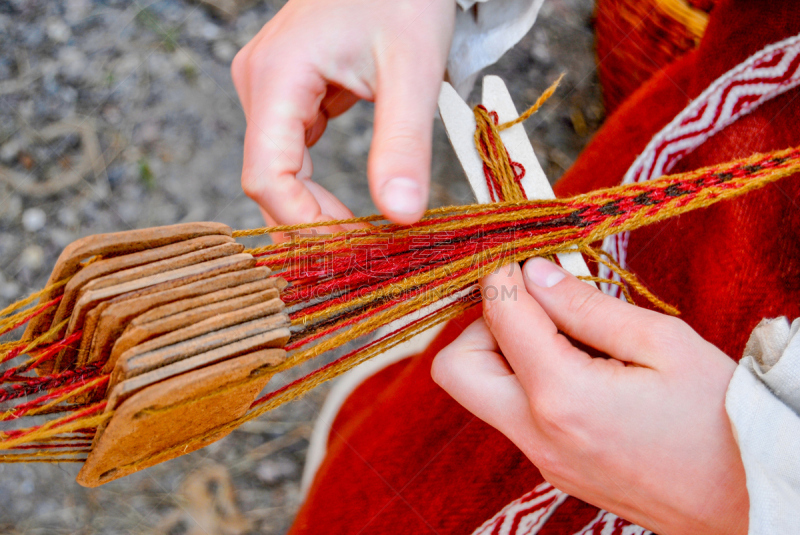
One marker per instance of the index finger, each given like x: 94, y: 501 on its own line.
x: 280, y: 112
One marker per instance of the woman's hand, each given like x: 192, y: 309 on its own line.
x: 643, y: 434
x: 312, y: 62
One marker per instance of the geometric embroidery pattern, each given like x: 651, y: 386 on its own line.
x: 766, y: 74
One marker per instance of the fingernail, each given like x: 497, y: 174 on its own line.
x: 402, y: 196
x: 543, y: 273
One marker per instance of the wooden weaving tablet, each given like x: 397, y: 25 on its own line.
x: 184, y: 323
x: 157, y: 424
x: 110, y: 245
x: 189, y: 307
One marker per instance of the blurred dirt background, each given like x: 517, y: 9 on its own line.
x: 117, y: 115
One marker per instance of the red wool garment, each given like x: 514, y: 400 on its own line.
x: 404, y: 457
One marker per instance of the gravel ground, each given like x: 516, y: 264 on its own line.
x: 147, y: 86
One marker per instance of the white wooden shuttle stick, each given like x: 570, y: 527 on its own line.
x: 459, y: 123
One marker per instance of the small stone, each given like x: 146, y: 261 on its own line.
x: 34, y: 219
x: 9, y: 291
x: 101, y: 190
x: 540, y: 49
x: 126, y: 66
x: 6, y: 66
x: 112, y: 114
x: 181, y: 151
x: 68, y: 94
x: 51, y: 87
x: 49, y: 68
x: 541, y: 53
x: 174, y: 12
x: 8, y: 244
x: 272, y: 471
x: 58, y: 31
x: 148, y: 132
x: 32, y: 258
x: 159, y: 65
x: 61, y: 237
x: 359, y: 144
x: 26, y: 109
x: 210, y: 31
x: 132, y: 154
x: 10, y: 150
x: 76, y: 11
x: 224, y: 50
x: 208, y: 86
x: 68, y: 217
x: 166, y: 214
x: 73, y: 62
x: 32, y: 36
x: 226, y: 9
x: 11, y: 208
x: 181, y: 58
x: 129, y: 211
x: 115, y: 174
x: 184, y: 63
x: 26, y: 486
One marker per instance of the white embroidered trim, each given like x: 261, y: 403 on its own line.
x: 606, y: 523
x: 526, y: 515
x: 529, y: 513
x: 763, y: 76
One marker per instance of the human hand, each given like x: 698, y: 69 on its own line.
x: 312, y: 62
x: 643, y: 434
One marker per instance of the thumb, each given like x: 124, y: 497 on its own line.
x: 400, y: 156
x: 619, y: 329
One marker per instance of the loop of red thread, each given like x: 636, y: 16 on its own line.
x: 492, y: 181
x: 519, y: 172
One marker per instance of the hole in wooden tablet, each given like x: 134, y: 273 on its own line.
x: 108, y: 473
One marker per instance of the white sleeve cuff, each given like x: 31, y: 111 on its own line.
x: 484, y: 31
x: 763, y: 404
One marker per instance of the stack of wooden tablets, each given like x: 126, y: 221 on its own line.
x: 186, y: 325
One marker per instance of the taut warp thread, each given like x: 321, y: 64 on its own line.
x: 348, y: 284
